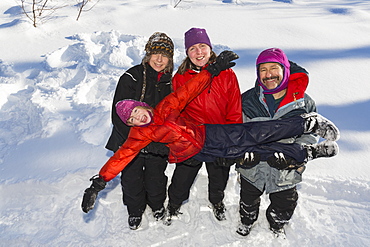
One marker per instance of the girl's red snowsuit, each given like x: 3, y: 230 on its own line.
x: 184, y: 138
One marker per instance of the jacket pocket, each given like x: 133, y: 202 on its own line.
x: 288, y: 177
x: 251, y: 174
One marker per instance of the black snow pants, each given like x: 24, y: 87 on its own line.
x: 144, y: 182
x: 278, y: 213
x: 184, y: 176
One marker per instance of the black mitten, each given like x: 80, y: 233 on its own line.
x: 156, y: 148
x: 225, y: 162
x: 223, y: 62
x: 250, y: 159
x: 91, y: 193
x: 281, y: 161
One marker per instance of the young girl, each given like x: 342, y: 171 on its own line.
x: 187, y: 139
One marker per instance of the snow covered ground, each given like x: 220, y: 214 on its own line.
x: 56, y: 86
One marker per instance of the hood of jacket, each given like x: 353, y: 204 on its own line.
x: 274, y: 55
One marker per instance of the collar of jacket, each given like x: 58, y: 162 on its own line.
x: 153, y: 74
x: 195, y: 71
x: 296, y: 89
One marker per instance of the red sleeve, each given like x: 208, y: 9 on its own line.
x: 125, y: 154
x: 185, y: 94
x: 234, y: 112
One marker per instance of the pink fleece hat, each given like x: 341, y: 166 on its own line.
x: 196, y: 36
x: 125, y: 107
x: 274, y: 55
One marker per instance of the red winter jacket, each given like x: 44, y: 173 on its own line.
x: 184, y: 137
x: 220, y: 103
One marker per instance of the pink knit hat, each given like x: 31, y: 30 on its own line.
x: 195, y: 36
x: 125, y: 107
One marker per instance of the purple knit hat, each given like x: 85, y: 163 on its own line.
x: 125, y: 107
x: 274, y: 55
x: 195, y: 36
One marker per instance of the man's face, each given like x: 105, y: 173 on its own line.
x: 139, y: 117
x: 271, y: 74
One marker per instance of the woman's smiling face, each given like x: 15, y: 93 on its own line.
x: 158, y: 62
x: 199, y: 54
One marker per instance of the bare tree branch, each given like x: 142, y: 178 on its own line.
x: 177, y: 3
x: 82, y: 5
x: 38, y: 10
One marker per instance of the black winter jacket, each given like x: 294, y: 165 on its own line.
x: 130, y: 86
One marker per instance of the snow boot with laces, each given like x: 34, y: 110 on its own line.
x: 322, y: 149
x: 321, y: 126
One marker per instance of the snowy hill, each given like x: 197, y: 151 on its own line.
x: 56, y: 87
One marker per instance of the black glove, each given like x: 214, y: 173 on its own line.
x: 225, y: 162
x: 223, y: 62
x: 156, y: 148
x: 91, y: 193
x: 282, y: 162
x: 250, y: 159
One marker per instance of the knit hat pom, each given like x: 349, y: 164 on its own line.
x: 124, y: 108
x: 159, y: 43
x: 196, y: 36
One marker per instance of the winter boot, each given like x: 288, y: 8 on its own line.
x: 322, y: 149
x: 278, y: 232
x: 219, y: 211
x: 244, y: 229
x: 248, y: 215
x: 159, y: 214
x: 134, y: 222
x: 172, y: 210
x: 321, y: 126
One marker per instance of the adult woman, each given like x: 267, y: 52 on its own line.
x: 149, y: 81
x: 219, y: 104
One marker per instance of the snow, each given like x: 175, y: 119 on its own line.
x: 56, y: 86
